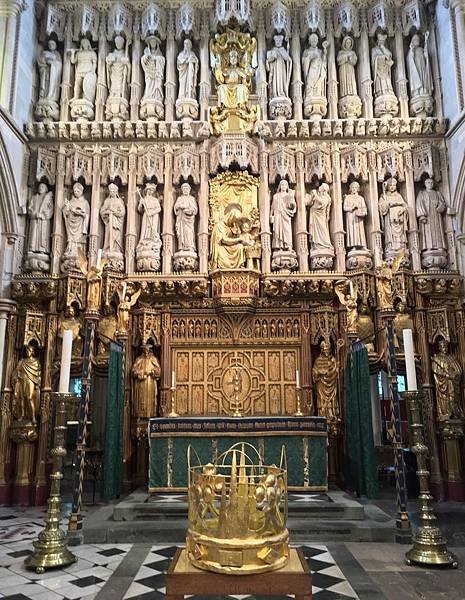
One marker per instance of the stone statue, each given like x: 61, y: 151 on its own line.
x: 350, y: 105
x: 381, y: 59
x: 279, y: 66
x: 321, y: 247
x: 186, y: 209
x: 402, y: 321
x: 126, y: 302
x: 85, y: 80
x: 283, y: 209
x: 355, y: 208
x: 394, y: 215
x: 314, y: 63
x: 188, y: 69
x: 325, y: 375
x: 40, y: 213
x: 227, y: 247
x: 112, y: 212
x: 430, y: 207
x: 118, y: 80
x: 419, y: 77
x: 145, y: 373
x: 149, y: 246
x: 153, y: 65
x: 26, y: 387
x: 447, y: 374
x: 76, y: 214
x: 50, y: 66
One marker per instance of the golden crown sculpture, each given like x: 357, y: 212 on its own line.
x: 238, y: 513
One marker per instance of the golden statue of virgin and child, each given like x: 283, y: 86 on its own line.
x: 233, y: 58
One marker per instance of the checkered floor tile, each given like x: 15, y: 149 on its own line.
x: 182, y: 498
x: 329, y: 582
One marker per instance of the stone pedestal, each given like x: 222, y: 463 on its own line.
x: 315, y: 108
x: 321, y: 260
x: 117, y: 109
x: 186, y: 261
x: 284, y: 260
x: 421, y: 106
x: 350, y: 107
x: 359, y: 259
x: 434, y: 259
x: 187, y: 108
x: 152, y: 109
x: 23, y: 434
x: 451, y: 433
x: 386, y: 105
x: 148, y: 256
x: 280, y: 108
x: 115, y: 261
x: 47, y: 110
x: 36, y: 262
x: 82, y: 110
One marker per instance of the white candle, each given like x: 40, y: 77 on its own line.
x: 124, y: 291
x: 410, y: 360
x: 351, y: 287
x: 99, y: 257
x: 173, y: 380
x: 297, y: 378
x: 65, y: 367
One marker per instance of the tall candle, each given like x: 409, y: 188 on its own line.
x: 124, y: 291
x: 351, y: 287
x: 297, y: 378
x: 99, y: 257
x: 410, y: 360
x: 65, y: 367
x: 173, y: 380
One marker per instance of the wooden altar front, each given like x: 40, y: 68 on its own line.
x: 304, y: 438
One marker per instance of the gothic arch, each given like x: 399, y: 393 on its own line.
x: 9, y: 199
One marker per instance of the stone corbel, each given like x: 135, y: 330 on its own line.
x: 54, y: 22
x: 425, y: 159
x: 187, y: 20
x: 115, y: 163
x: 413, y: 16
x: 86, y: 20
x: 354, y: 161
x: 239, y: 11
x: 46, y: 164
x: 150, y: 164
x: 282, y: 164
x: 389, y: 161
x: 279, y: 19
x: 346, y: 19
x: 318, y: 163
x: 119, y: 21
x: 186, y: 163
x: 34, y: 328
x: 79, y: 164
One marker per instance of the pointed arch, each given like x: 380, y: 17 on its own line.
x: 9, y: 198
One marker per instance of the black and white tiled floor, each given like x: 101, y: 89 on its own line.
x: 293, y: 497
x: 328, y: 580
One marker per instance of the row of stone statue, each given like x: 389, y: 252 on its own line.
x: 279, y: 66
x: 76, y: 216
x: 118, y: 81
x: 146, y: 371
x: 235, y: 240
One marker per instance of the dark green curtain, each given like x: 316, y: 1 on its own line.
x: 361, y: 469
x: 113, y: 451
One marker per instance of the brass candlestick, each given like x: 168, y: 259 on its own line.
x: 298, y: 411
x: 50, y: 548
x: 236, y: 379
x: 429, y: 546
x: 173, y: 412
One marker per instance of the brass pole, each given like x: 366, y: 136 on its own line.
x: 429, y: 546
x: 50, y: 548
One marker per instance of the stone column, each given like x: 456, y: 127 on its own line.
x: 264, y: 203
x: 372, y: 201
x: 6, y: 462
x: 168, y: 366
x: 337, y: 217
x: 433, y: 53
x: 6, y: 306
x: 202, y: 236
x: 332, y: 72
x: 58, y: 235
x: 296, y: 55
x: 261, y: 70
x: 413, y: 235
x: 131, y: 209
x: 306, y: 366
x: 136, y: 91
x: 170, y: 85
x: 457, y: 9
x: 66, y: 85
x: 301, y: 232
x: 95, y: 202
x: 401, y: 78
x: 364, y: 73
x: 204, y: 87
x: 101, y: 94
x: 7, y: 90
x: 168, y: 226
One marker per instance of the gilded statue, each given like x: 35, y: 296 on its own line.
x: 325, y: 376
x: 232, y: 57
x: 126, y: 302
x: 402, y: 321
x: 384, y: 275
x: 26, y: 387
x: 94, y: 281
x: 447, y: 374
x: 227, y: 247
x: 70, y: 321
x: 145, y: 373
x: 348, y: 297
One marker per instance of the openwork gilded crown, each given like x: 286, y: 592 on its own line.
x: 238, y: 513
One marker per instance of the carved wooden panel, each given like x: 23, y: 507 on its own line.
x: 219, y: 381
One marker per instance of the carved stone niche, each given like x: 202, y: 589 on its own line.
x: 230, y: 149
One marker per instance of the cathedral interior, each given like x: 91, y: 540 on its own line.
x: 231, y: 221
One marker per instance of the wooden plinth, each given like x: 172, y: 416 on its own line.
x: 182, y: 579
